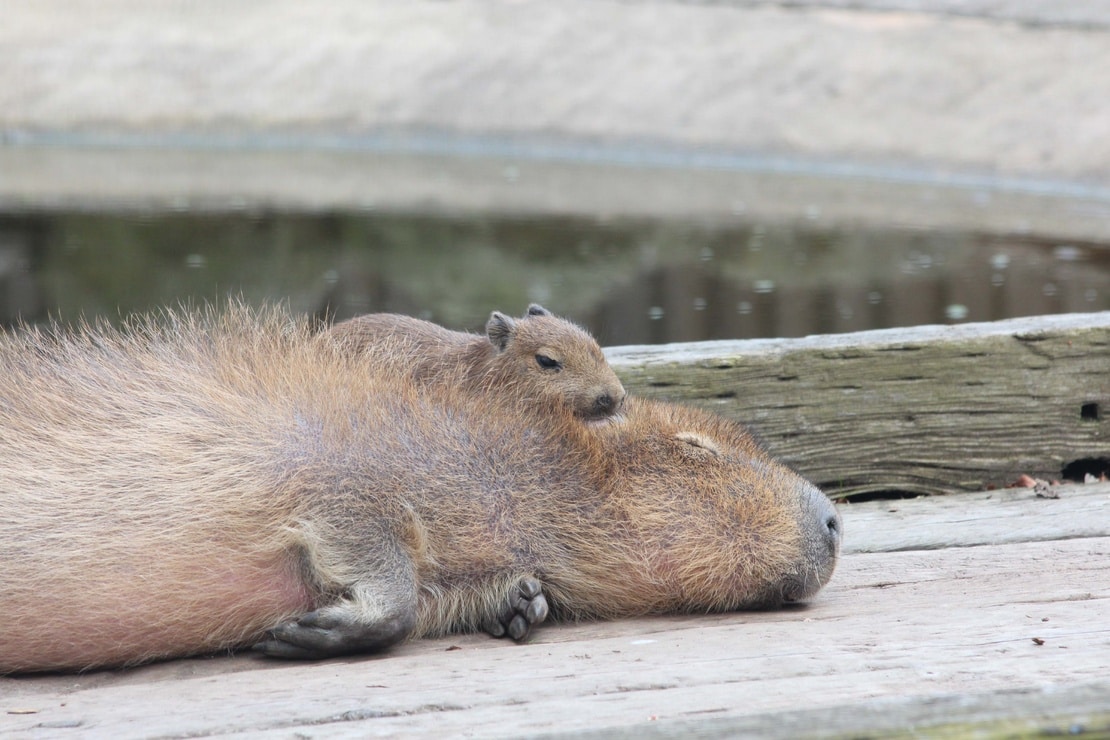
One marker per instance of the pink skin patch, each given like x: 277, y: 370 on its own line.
x: 225, y: 601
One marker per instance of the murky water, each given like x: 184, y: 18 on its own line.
x: 629, y: 281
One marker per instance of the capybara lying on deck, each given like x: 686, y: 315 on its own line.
x: 217, y: 480
x: 537, y: 358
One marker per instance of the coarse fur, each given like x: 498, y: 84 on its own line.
x: 535, y: 359
x: 209, y: 480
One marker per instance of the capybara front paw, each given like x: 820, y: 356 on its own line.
x: 526, y: 606
x: 326, y: 633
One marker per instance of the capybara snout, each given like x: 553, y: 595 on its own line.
x: 822, y: 529
x: 606, y: 404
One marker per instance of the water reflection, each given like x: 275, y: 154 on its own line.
x: 629, y: 281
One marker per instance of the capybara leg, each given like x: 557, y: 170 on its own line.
x: 525, y: 606
x: 375, y: 611
x: 354, y: 625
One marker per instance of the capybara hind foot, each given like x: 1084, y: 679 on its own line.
x: 333, y: 631
x: 525, y: 606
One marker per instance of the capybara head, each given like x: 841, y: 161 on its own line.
x: 556, y: 359
x: 699, y: 517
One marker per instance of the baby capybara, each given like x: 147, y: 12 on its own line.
x: 537, y: 358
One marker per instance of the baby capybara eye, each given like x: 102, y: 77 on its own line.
x: 548, y: 363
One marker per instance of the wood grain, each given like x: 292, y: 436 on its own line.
x: 928, y: 409
x: 973, y: 519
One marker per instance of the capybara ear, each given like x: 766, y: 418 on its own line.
x: 500, y: 329
x: 535, y: 309
x: 700, y: 441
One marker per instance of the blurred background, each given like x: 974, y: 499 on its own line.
x: 659, y: 170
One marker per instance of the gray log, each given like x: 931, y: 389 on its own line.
x: 928, y: 409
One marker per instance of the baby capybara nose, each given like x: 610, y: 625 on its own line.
x: 605, y: 404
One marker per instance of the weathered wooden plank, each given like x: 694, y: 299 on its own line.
x: 1045, y: 711
x: 970, y: 519
x: 896, y: 630
x: 927, y: 409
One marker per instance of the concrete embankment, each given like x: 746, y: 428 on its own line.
x: 923, y: 114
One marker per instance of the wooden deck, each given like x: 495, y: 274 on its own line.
x: 980, y: 611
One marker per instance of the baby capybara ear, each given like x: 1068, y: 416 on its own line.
x: 535, y: 309
x: 500, y: 329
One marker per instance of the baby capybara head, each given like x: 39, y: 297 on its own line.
x: 554, y: 359
x: 704, y: 519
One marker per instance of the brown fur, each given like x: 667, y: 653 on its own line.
x: 184, y: 485
x: 536, y: 359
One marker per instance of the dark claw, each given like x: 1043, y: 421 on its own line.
x: 518, y: 628
x: 530, y: 588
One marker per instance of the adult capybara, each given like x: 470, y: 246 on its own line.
x: 535, y: 358
x: 213, y: 480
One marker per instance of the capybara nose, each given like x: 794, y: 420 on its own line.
x: 821, y: 535
x: 833, y: 528
x: 826, y: 523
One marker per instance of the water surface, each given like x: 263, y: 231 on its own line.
x: 629, y: 280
